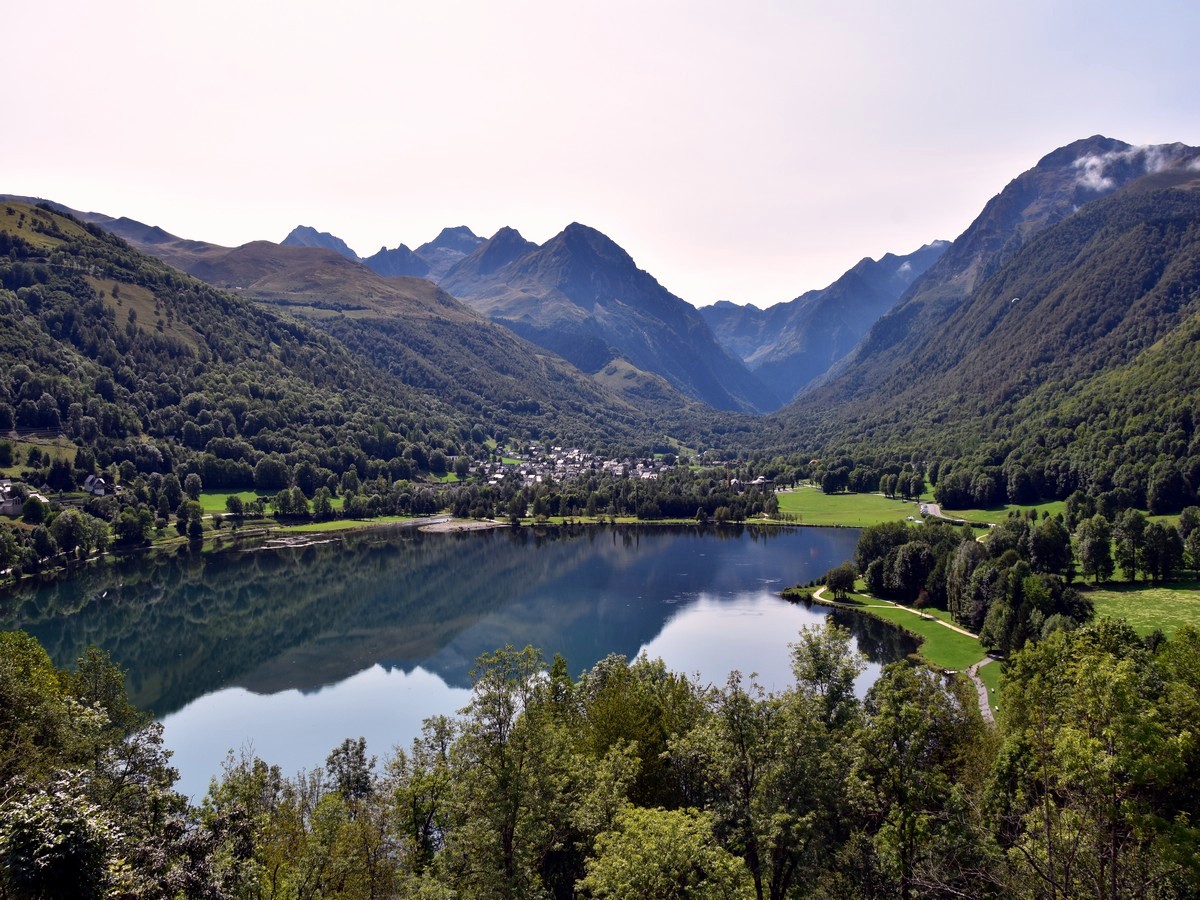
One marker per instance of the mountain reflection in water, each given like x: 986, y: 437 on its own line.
x: 294, y: 649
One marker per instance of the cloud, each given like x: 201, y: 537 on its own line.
x: 1091, y: 172
x: 1097, y: 170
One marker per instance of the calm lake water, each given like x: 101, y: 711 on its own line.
x: 290, y: 651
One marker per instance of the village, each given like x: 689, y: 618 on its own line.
x: 538, y: 464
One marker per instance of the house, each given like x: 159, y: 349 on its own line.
x: 10, y: 500
x: 95, y: 486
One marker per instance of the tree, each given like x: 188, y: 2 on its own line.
x: 271, y: 474
x: 192, y: 486
x: 1166, y: 491
x: 665, y: 854
x: 1090, y: 739
x: 825, y: 667
x: 56, y: 843
x: 1093, y: 543
x: 908, y: 771
x: 133, y: 525
x: 172, y: 490
x: 1049, y: 547
x: 1192, y: 545
x: 511, y: 766
x: 33, y: 511
x: 73, y: 529
x: 420, y: 781
x: 840, y: 580
x: 347, y: 765
x: 1129, y: 533
x: 322, y: 504
x: 1163, y: 552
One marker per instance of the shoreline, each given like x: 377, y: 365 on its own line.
x: 273, y: 535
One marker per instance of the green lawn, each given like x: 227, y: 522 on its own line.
x: 813, y: 506
x: 214, y: 501
x: 997, y: 514
x: 1147, y: 607
x: 990, y: 675
x: 940, y: 646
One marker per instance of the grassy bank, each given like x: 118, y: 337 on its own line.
x: 940, y: 646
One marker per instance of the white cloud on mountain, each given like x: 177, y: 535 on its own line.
x: 1095, y: 172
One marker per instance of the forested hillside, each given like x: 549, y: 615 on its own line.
x: 1048, y: 378
x: 136, y: 361
x: 1062, y: 183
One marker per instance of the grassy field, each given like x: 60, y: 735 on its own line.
x: 996, y: 514
x: 57, y: 448
x: 990, y: 675
x: 813, y: 506
x: 214, y: 501
x: 1147, y: 607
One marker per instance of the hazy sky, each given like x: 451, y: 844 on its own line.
x: 744, y: 151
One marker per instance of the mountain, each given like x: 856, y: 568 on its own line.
x: 400, y: 261
x: 451, y: 245
x: 580, y: 295
x: 790, y: 344
x: 1062, y: 182
x: 396, y: 351
x: 475, y: 270
x: 304, y: 236
x: 1072, y: 366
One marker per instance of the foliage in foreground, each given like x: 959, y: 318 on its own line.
x: 635, y: 781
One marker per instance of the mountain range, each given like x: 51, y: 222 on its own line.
x: 1080, y: 269
x: 582, y: 297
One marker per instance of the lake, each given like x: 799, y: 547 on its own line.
x: 289, y: 651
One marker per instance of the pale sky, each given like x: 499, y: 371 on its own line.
x: 744, y: 151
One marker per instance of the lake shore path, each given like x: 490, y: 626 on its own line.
x: 972, y: 671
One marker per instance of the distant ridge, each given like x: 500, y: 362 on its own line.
x: 400, y: 261
x: 451, y: 245
x: 790, y: 344
x: 304, y: 236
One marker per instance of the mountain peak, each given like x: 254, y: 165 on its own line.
x: 504, y: 247
x: 458, y: 238
x: 307, y: 236
x: 401, y: 261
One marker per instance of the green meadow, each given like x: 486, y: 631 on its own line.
x: 812, y: 506
x: 1148, y: 607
